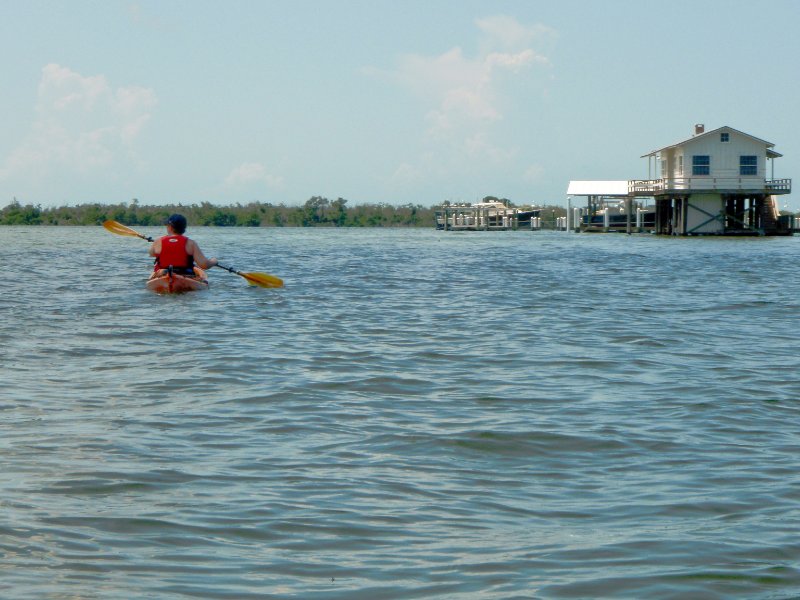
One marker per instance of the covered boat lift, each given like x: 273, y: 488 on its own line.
x: 610, y: 206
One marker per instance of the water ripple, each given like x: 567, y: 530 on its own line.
x: 416, y: 414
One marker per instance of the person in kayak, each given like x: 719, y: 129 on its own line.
x: 178, y: 251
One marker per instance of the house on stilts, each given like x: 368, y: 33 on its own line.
x: 715, y: 183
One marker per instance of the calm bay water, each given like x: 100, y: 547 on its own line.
x: 417, y: 414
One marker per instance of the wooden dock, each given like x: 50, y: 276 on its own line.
x: 485, y: 216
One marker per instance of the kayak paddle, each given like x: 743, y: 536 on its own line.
x: 120, y: 229
x: 264, y: 280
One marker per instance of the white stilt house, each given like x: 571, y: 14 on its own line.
x: 718, y: 182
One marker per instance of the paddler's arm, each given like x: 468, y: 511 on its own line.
x: 199, y: 258
x: 155, y: 248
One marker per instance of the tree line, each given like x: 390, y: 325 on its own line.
x: 316, y: 212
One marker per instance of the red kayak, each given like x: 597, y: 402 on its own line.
x: 172, y: 283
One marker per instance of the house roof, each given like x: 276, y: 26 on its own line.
x: 767, y: 145
x: 598, y: 188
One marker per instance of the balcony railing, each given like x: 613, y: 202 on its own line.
x: 779, y: 186
x: 645, y: 186
x: 721, y: 184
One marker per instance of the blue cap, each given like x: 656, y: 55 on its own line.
x: 178, y: 222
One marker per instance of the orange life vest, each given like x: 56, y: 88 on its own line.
x: 173, y: 253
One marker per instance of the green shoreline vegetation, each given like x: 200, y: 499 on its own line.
x: 316, y: 212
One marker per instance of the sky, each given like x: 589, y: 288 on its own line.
x: 377, y: 101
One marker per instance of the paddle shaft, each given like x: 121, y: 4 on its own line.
x: 230, y: 269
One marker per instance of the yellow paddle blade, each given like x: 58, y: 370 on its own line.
x: 121, y: 229
x: 264, y: 280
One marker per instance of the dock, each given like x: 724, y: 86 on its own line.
x: 485, y: 216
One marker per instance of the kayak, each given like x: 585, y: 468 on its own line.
x: 172, y: 283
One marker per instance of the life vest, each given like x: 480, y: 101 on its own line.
x: 173, y: 253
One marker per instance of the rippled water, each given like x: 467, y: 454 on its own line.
x: 417, y: 414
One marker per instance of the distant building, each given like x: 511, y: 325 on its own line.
x: 609, y: 207
x: 715, y: 183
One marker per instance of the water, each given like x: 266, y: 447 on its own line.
x: 417, y: 414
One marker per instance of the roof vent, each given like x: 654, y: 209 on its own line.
x: 699, y: 128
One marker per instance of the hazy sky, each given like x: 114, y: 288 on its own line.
x: 395, y: 101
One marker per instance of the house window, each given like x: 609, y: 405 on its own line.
x: 724, y: 137
x: 680, y: 166
x: 663, y: 168
x: 701, y: 164
x: 748, y: 165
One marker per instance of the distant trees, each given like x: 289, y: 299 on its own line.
x: 316, y: 212
x: 16, y: 214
